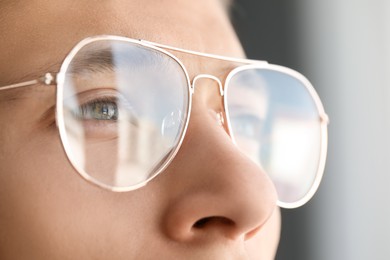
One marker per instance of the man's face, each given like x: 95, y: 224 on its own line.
x: 212, y: 202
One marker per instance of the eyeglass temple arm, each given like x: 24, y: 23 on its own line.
x: 47, y: 79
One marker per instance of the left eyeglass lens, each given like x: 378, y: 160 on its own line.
x: 275, y: 120
x: 124, y: 108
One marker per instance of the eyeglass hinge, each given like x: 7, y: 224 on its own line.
x: 324, y: 118
x: 49, y: 79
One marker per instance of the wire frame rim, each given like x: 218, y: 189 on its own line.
x: 60, y: 112
x: 321, y: 113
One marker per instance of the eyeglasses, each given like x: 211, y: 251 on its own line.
x: 123, y: 107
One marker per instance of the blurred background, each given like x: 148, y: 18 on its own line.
x: 343, y: 47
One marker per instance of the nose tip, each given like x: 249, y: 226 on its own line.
x: 218, y: 191
x: 200, y: 216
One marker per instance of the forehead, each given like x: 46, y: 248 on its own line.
x: 36, y: 34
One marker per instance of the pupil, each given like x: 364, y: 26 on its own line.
x: 105, y: 112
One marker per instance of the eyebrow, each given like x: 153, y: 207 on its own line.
x: 93, y: 61
x: 105, y: 59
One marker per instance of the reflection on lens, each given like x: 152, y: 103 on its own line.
x: 125, y: 108
x: 284, y: 135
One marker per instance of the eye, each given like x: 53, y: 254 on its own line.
x: 246, y: 126
x: 100, y: 109
x: 99, y: 115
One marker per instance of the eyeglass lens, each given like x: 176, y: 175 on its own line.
x: 124, y: 111
x: 275, y: 121
x: 125, y: 108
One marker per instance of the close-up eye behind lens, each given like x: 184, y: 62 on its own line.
x: 98, y: 110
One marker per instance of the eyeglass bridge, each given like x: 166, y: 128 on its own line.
x: 207, y: 76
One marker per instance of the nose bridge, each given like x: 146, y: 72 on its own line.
x: 208, y: 76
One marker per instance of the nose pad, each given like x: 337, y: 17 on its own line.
x: 218, y: 116
x: 171, y: 122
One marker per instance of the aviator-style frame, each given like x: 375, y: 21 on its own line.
x: 58, y: 79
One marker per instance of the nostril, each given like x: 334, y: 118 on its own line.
x: 202, y: 222
x: 209, y: 221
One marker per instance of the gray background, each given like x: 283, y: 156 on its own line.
x: 343, y: 47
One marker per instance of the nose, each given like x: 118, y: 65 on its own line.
x: 215, y: 191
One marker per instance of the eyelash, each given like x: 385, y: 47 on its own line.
x: 102, y: 105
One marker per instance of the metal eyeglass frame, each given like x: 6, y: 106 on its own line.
x: 50, y: 79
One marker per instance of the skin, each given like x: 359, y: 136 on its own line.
x: 47, y: 211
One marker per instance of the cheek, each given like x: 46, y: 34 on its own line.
x: 47, y: 210
x: 32, y: 169
x: 264, y: 244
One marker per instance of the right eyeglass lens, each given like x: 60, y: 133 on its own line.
x: 275, y: 121
x: 125, y: 108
